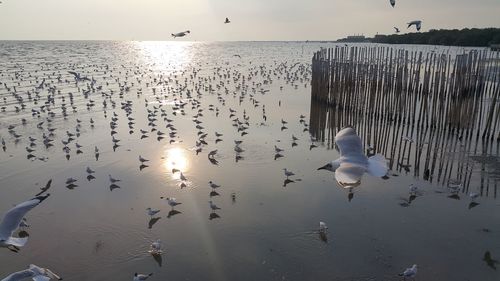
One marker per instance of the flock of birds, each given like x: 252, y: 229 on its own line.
x: 416, y: 23
x: 50, y: 101
x: 51, y: 97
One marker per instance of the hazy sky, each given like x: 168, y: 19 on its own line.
x: 251, y: 19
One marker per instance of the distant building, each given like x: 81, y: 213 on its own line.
x: 354, y: 39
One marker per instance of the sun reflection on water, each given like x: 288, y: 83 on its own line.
x: 175, y: 159
x: 166, y: 55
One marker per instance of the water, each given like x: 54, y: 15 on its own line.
x: 266, y: 229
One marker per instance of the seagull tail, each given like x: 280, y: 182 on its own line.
x: 377, y: 166
x: 18, y: 242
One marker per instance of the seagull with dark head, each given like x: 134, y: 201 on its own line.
x: 353, y: 163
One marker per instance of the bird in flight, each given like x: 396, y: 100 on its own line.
x: 417, y: 23
x: 352, y: 164
x: 181, y: 34
x: 396, y: 29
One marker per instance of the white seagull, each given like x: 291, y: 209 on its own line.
x: 352, y: 164
x: 322, y: 227
x: 171, y: 201
x: 152, y: 212
x: 35, y: 272
x: 181, y: 34
x: 156, y: 248
x: 13, y: 218
x: 409, y: 272
x: 141, y: 277
x: 417, y: 23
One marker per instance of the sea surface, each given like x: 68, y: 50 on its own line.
x: 267, y: 227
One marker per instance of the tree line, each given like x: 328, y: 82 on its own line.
x: 451, y: 37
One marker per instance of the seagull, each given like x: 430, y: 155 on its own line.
x: 156, y: 248
x: 70, y: 180
x: 182, y: 177
x: 113, y: 180
x: 393, y: 3
x: 227, y: 21
x: 473, y: 196
x: 212, y: 153
x: 213, y: 206
x: 322, y: 227
x: 417, y: 23
x: 35, y: 272
x: 143, y: 159
x: 141, y: 277
x: 181, y: 34
x: 171, y: 201
x: 90, y: 171
x: 409, y: 272
x: 12, y: 219
x: 213, y: 185
x: 288, y: 173
x: 413, y: 188
x: 352, y: 164
x: 277, y: 149
x: 396, y: 29
x: 152, y: 212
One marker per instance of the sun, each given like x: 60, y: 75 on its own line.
x: 175, y: 158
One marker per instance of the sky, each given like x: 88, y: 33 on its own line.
x: 250, y: 19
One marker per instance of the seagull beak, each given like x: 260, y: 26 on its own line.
x: 322, y: 168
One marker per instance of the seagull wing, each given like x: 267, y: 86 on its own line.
x: 377, y: 166
x: 349, y: 142
x: 41, y: 278
x: 349, y: 174
x: 20, y: 275
x: 52, y: 275
x: 13, y: 217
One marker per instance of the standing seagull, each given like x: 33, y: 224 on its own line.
x: 417, y: 23
x: 13, y: 218
x: 35, y: 272
x: 141, y: 277
x: 227, y: 21
x: 352, y: 164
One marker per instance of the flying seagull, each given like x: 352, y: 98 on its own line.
x: 35, y: 272
x: 417, y: 23
x: 181, y: 34
x: 352, y: 164
x: 13, y: 218
x: 396, y: 29
x: 393, y: 3
x: 227, y: 21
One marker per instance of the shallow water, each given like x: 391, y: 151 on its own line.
x: 265, y: 229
